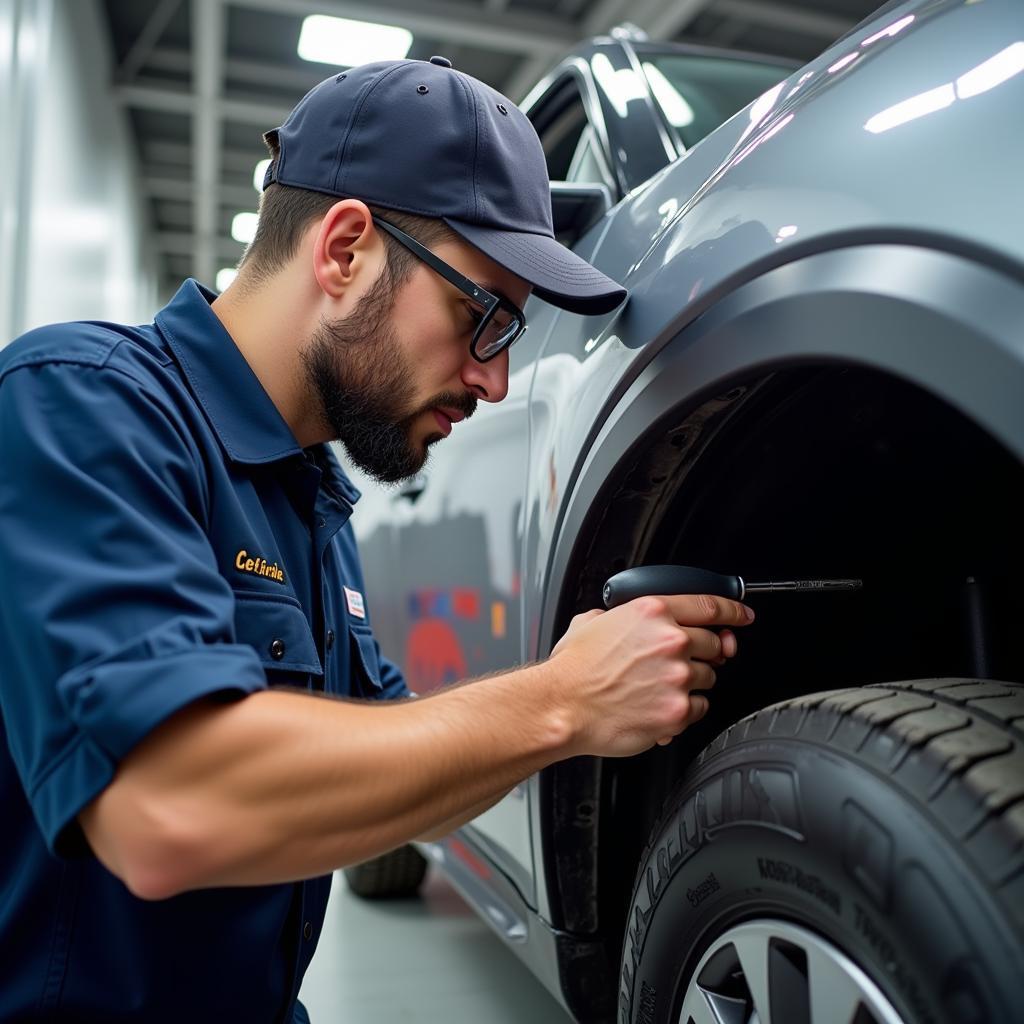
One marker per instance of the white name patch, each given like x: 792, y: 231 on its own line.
x: 355, y: 603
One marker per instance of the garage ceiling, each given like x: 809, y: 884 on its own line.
x: 203, y: 79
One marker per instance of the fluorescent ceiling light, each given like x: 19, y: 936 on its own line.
x: 347, y: 43
x: 259, y: 174
x: 243, y: 227
x: 225, y: 276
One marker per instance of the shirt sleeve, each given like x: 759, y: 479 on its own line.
x: 114, y: 614
x: 392, y: 681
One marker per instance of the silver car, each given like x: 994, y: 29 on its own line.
x: 819, y: 373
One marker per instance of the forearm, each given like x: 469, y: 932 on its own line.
x: 280, y: 786
x: 449, y: 826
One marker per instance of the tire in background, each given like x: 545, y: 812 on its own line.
x: 887, y: 819
x: 396, y: 873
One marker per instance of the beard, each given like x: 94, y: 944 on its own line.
x: 366, y: 387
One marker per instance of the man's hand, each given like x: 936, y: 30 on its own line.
x: 280, y: 785
x: 634, y: 676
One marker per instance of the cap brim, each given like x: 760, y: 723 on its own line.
x: 557, y: 274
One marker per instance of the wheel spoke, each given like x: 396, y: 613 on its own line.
x: 834, y: 994
x: 698, y: 1008
x: 752, y: 950
x: 810, y: 980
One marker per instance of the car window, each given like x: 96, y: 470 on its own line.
x: 560, y: 120
x: 587, y: 163
x: 571, y: 143
x: 697, y: 94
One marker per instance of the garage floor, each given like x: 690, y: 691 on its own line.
x: 430, y: 961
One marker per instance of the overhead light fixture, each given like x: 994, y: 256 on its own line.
x: 224, y: 277
x: 243, y: 227
x: 346, y: 43
x: 259, y: 174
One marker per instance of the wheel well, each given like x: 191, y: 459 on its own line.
x: 814, y: 472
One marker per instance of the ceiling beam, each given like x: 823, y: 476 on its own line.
x: 164, y: 153
x: 174, y: 99
x: 151, y: 32
x: 183, y: 243
x: 790, y: 19
x: 673, y: 18
x: 180, y: 190
x: 444, y: 21
x: 603, y: 16
x: 288, y: 79
x: 208, y: 32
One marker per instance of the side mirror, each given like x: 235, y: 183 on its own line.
x: 576, y: 207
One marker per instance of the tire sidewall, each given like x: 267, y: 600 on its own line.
x: 793, y: 831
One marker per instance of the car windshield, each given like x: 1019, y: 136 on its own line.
x: 697, y: 94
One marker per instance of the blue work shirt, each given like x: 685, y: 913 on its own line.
x: 163, y: 538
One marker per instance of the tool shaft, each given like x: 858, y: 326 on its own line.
x: 752, y: 588
x: 686, y: 579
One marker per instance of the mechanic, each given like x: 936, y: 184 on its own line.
x: 199, y: 724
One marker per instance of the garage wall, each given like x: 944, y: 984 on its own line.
x: 73, y: 236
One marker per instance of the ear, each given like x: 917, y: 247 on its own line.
x: 348, y: 250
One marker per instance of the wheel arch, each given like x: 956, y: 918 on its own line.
x: 945, y: 324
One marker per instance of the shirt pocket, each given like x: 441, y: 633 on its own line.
x: 277, y: 629
x: 365, y: 659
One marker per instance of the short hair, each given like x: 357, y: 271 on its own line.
x: 286, y: 212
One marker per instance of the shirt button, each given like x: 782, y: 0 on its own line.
x: 307, y: 931
x: 277, y: 649
x: 321, y: 522
x: 330, y: 639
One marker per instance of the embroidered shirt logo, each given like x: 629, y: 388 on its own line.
x: 355, y: 603
x: 244, y: 562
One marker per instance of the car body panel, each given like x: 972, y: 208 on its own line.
x: 868, y: 191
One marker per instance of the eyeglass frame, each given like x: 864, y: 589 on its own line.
x: 488, y: 301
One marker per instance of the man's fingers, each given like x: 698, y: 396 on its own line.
x: 729, y: 643
x: 702, y: 676
x: 703, y: 644
x: 707, y: 610
x: 699, y: 705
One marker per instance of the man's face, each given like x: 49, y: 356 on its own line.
x: 383, y: 374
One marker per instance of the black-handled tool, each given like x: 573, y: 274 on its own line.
x: 685, y: 579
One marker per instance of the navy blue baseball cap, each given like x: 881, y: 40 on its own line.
x: 421, y: 137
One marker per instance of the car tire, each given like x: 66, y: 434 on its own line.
x: 847, y: 857
x: 394, y: 874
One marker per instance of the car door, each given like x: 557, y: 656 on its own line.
x: 457, y: 529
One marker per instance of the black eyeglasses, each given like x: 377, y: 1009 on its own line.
x: 501, y: 321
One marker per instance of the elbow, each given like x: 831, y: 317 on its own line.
x: 158, y: 874
x: 154, y: 857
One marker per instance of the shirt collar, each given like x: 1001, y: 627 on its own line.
x: 246, y: 421
x: 335, y: 476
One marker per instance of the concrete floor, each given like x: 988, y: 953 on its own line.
x: 425, y: 961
